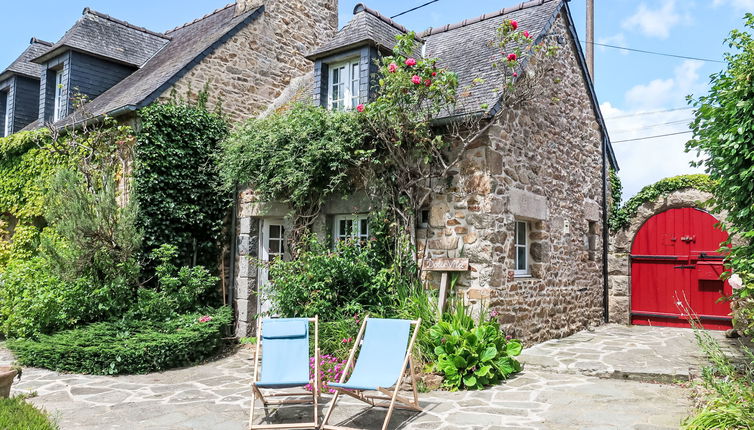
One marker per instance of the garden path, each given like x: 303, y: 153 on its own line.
x: 593, y: 380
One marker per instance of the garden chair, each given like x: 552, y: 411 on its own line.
x: 285, y: 364
x: 383, y: 363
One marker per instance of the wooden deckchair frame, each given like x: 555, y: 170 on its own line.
x: 314, y: 382
x: 389, y: 394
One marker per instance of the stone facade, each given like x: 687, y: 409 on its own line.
x: 541, y: 163
x: 250, y: 70
x: 619, y: 257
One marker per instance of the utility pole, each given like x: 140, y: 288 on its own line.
x: 590, y: 37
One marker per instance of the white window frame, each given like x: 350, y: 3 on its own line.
x: 266, y: 255
x: 7, y: 120
x: 358, y: 223
x: 517, y: 245
x: 59, y: 88
x: 350, y: 79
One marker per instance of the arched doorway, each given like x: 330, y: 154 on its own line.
x: 674, y: 259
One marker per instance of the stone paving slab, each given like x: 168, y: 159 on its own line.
x: 661, y: 354
x: 216, y: 395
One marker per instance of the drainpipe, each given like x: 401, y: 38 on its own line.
x: 605, y: 233
x: 233, y: 250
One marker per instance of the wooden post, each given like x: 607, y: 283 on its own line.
x: 445, y: 266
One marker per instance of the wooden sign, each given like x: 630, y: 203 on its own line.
x: 446, y: 265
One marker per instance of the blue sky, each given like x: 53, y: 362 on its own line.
x: 631, y: 87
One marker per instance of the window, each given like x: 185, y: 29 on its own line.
x: 343, y: 87
x: 7, y: 122
x: 351, y: 227
x: 522, y: 249
x: 58, y: 104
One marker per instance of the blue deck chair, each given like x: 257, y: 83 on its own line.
x: 285, y: 364
x: 383, y: 363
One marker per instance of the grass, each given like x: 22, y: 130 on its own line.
x: 728, y: 387
x: 16, y: 413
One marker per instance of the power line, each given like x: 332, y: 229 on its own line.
x: 415, y: 8
x: 651, y: 137
x: 688, y: 120
x: 649, y: 112
x: 664, y: 54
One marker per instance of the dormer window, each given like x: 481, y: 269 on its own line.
x: 58, y: 103
x: 344, y: 85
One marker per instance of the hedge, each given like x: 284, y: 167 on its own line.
x: 15, y: 413
x: 127, y: 347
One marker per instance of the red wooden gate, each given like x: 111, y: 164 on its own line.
x: 674, y: 259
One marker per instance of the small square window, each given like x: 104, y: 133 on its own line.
x: 351, y: 227
x: 522, y: 249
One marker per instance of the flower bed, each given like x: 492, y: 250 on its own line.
x: 128, y: 347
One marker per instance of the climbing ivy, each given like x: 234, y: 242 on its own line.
x: 176, y: 182
x: 620, y: 218
x: 616, y: 191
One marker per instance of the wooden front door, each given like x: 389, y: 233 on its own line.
x: 675, y: 263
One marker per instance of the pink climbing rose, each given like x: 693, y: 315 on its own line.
x: 427, y: 82
x: 410, y: 62
x: 514, y: 24
x: 360, y: 108
x: 392, y: 68
x: 526, y: 34
x: 736, y: 282
x: 515, y: 74
x: 512, y: 57
x: 416, y: 79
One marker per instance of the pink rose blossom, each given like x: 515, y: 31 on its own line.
x: 416, y: 79
x: 515, y: 74
x: 392, y: 68
x: 512, y: 57
x: 360, y: 108
x: 514, y: 24
x: 410, y: 62
x: 427, y: 82
x: 205, y: 319
x: 526, y: 34
x: 736, y: 282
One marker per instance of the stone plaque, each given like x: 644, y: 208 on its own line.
x: 446, y: 265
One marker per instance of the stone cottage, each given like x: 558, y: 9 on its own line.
x: 527, y: 206
x: 247, y: 52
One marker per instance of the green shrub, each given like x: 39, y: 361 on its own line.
x: 16, y: 413
x: 127, y: 346
x: 334, y: 284
x: 473, y: 356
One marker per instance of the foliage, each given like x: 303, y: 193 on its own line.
x: 177, y: 183
x: 473, y: 356
x: 616, y: 192
x: 336, y: 337
x: 300, y: 157
x: 729, y: 388
x: 16, y: 413
x: 98, y: 238
x: 178, y: 290
x: 330, y: 370
x: 620, y: 218
x: 724, y: 136
x: 128, y: 346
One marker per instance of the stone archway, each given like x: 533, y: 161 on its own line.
x: 619, y: 260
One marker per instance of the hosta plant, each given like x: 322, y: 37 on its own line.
x: 472, y: 356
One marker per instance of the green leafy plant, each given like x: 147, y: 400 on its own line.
x: 128, y: 346
x: 177, y: 183
x: 16, y: 413
x: 472, y: 356
x: 620, y: 217
x: 724, y: 138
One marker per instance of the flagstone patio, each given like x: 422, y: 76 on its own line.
x: 578, y: 382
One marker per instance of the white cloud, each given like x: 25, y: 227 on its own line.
x: 655, y: 22
x: 614, y: 40
x: 644, y: 162
x: 743, y: 5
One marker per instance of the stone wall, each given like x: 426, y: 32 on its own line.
x: 541, y: 163
x: 249, y: 71
x: 619, y: 259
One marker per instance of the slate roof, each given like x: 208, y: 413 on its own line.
x: 104, y: 36
x: 367, y: 25
x: 188, y: 45
x: 23, y: 65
